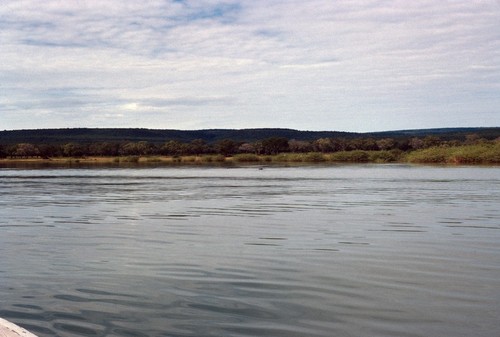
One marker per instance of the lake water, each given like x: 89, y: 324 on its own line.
x: 363, y: 250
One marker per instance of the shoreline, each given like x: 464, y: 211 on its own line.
x: 244, y: 159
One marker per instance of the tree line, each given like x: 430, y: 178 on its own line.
x: 229, y: 147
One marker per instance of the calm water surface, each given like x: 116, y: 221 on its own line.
x: 375, y: 250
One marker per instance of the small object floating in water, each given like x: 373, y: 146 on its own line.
x: 9, y: 329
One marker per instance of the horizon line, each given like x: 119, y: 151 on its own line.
x: 242, y: 129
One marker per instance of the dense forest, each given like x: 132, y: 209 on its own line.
x: 210, y: 136
x: 248, y: 144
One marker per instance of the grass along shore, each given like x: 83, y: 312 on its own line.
x: 466, y: 154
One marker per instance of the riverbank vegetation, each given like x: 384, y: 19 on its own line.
x: 471, y: 149
x: 486, y: 153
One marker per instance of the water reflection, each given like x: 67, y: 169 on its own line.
x: 323, y: 251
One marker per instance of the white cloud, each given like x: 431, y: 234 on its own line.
x: 317, y: 64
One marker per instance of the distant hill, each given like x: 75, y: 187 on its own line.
x: 90, y: 135
x: 443, y: 133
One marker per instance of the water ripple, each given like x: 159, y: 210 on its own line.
x: 324, y: 251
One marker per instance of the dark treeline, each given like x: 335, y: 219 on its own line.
x: 89, y: 135
x: 229, y: 147
x: 211, y: 136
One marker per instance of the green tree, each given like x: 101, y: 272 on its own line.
x: 275, y: 145
x: 402, y: 144
x: 416, y: 143
x: 247, y: 148
x: 259, y: 148
x: 72, y: 150
x: 128, y: 149
x: 3, y: 152
x: 385, y: 144
x: 474, y: 139
x: 323, y: 145
x: 144, y: 148
x: 339, y: 144
x: 355, y: 144
x: 26, y: 150
x: 49, y: 150
x: 173, y: 148
x: 369, y: 144
x: 104, y: 149
x: 430, y: 141
x: 299, y: 146
x: 197, y: 147
x: 141, y: 148
x: 226, y: 147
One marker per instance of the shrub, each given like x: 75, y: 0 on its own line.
x: 207, y: 159
x: 432, y: 155
x: 382, y: 156
x: 188, y: 159
x: 282, y: 157
x: 219, y: 158
x: 469, y: 154
x: 314, y: 157
x: 357, y: 156
x: 476, y: 154
x: 246, y: 157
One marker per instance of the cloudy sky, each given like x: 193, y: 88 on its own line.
x: 360, y: 65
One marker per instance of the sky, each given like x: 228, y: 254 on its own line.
x: 360, y: 65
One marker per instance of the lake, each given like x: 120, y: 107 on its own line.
x: 345, y: 250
